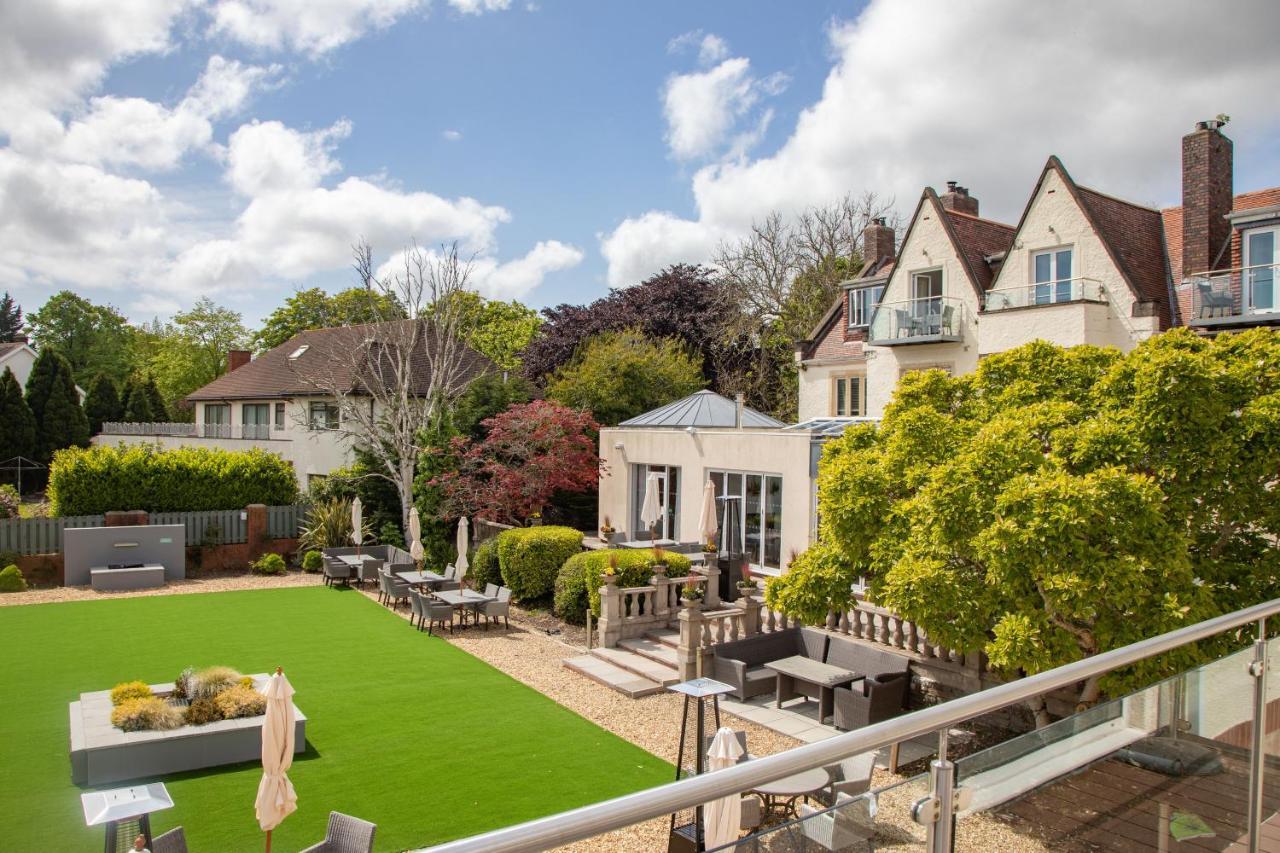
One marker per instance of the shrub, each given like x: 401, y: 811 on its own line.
x: 578, y: 582
x: 86, y: 481
x: 328, y: 525
x: 203, y: 711
x: 129, y: 690
x: 530, y: 558
x: 484, y: 565
x: 240, y: 701
x: 312, y: 561
x: 9, y: 501
x: 389, y: 534
x: 182, y: 684
x: 209, y: 682
x: 11, y: 580
x: 269, y: 564
x: 149, y: 714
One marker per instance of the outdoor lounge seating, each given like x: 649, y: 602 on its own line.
x: 848, y: 826
x: 173, y: 841
x: 346, y: 834
x: 850, y: 777
x: 740, y: 663
x: 874, y: 698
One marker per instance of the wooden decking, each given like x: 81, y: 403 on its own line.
x: 1113, y: 806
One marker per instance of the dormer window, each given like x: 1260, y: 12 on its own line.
x: 1052, y: 276
x: 862, y: 304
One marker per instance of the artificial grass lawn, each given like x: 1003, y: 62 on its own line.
x: 402, y: 729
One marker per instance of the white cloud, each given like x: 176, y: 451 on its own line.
x: 265, y: 157
x: 711, y: 47
x: 495, y: 279
x: 451, y: 135
x: 479, y: 7
x: 984, y: 94
x: 304, y: 25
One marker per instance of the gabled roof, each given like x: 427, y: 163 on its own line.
x: 972, y: 238
x: 323, y: 359
x: 702, y: 409
x: 8, y: 348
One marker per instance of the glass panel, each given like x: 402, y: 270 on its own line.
x: 855, y: 396
x: 752, y: 509
x: 1044, y: 274
x: 279, y: 415
x: 840, y: 396
x: 671, y: 505
x: 1262, y: 280
x: 638, y: 473
x: 217, y: 414
x: 1062, y: 260
x: 773, y: 523
x: 717, y: 478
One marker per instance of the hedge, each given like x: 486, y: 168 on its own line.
x: 530, y: 558
x: 579, y: 579
x: 484, y: 565
x: 93, y: 480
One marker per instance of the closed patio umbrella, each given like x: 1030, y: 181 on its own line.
x: 276, y: 798
x: 415, y: 535
x: 651, y: 509
x: 462, y: 563
x: 357, y: 522
x: 722, y: 818
x: 707, y: 525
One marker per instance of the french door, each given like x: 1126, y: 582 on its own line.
x: 668, y: 526
x: 1260, y: 269
x: 750, y: 511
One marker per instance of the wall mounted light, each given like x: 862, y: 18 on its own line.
x: 617, y: 445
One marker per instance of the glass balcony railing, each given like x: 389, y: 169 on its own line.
x: 1045, y: 293
x: 930, y: 320
x: 1234, y: 297
x: 255, y: 431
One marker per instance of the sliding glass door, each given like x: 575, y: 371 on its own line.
x: 668, y: 526
x: 751, y: 514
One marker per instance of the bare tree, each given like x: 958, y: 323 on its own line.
x: 390, y: 379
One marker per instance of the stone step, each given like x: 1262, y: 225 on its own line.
x: 653, y: 650
x: 616, y: 678
x: 641, y: 666
x: 666, y: 636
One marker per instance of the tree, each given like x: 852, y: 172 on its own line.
x: 137, y: 402
x: 530, y: 452
x: 313, y: 308
x: 192, y: 352
x: 1059, y: 503
x: 500, y: 331
x: 18, y: 437
x: 102, y: 403
x: 55, y: 404
x: 10, y: 319
x: 392, y: 379
x: 93, y: 338
x: 485, y: 397
x: 619, y: 375
x: 159, y: 410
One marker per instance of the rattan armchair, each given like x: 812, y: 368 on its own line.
x: 173, y: 841
x: 346, y: 834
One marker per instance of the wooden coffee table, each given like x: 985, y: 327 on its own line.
x: 826, y: 677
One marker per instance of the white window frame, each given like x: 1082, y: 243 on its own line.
x: 859, y: 399
x: 311, y: 415
x: 1055, y: 281
x: 859, y: 311
x: 1250, y: 275
x: 754, y: 552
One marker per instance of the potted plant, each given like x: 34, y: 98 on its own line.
x: 535, y: 519
x: 691, y: 593
x: 611, y: 570
x: 606, y: 530
x: 709, y: 547
x: 746, y: 583
x: 658, y: 558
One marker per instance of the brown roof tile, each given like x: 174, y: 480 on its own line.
x: 1135, y: 237
x: 975, y: 239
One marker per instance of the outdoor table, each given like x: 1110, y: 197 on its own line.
x: 825, y: 676
x: 461, y: 599
x: 647, y: 543
x: 356, y: 560
x: 427, y: 579
x: 792, y: 788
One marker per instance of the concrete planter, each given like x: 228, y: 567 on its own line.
x: 102, y: 754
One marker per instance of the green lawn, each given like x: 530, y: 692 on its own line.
x: 403, y: 730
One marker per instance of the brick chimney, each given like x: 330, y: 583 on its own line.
x: 877, y: 242
x: 957, y: 198
x: 1206, y: 197
x: 237, y: 358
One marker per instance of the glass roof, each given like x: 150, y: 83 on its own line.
x: 830, y: 427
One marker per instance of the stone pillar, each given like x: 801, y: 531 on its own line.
x: 750, y: 606
x: 124, y: 518
x: 690, y: 647
x: 256, y: 531
x: 610, y: 612
x: 662, y: 605
x: 711, y: 595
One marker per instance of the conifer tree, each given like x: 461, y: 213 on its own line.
x: 137, y: 403
x: 18, y: 436
x: 10, y: 319
x: 159, y: 411
x: 55, y: 403
x: 102, y: 403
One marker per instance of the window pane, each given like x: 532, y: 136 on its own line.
x: 279, y: 415
x: 855, y: 396
x: 1043, y: 263
x: 672, y: 504
x: 754, y: 517
x: 840, y: 397
x: 1064, y: 264
x: 773, y: 523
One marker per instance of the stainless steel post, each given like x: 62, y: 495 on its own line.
x: 942, y: 780
x: 1257, y: 767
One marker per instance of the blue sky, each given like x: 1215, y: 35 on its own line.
x: 153, y: 151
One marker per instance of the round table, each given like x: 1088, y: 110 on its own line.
x: 791, y: 788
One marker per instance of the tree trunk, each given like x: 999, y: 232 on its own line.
x: 1089, y: 694
x: 1039, y: 710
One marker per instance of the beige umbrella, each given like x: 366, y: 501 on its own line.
x: 722, y: 818
x: 462, y: 564
x: 357, y: 522
x: 707, y: 525
x: 415, y: 535
x: 651, y: 509
x: 276, y: 798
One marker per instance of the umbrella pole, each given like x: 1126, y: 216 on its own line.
x: 268, y: 841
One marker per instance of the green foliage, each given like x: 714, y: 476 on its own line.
x: 10, y: 501
x: 315, y: 309
x: 530, y: 557
x: 484, y: 567
x: 102, y: 403
x: 10, y: 318
x: 501, y: 331
x: 159, y: 409
x: 93, y: 338
x: 578, y: 582
x: 269, y: 564
x: 209, y: 682
x: 389, y: 534
x: 138, y: 407
x: 312, y: 561
x: 202, y: 712
x: 190, y: 352
x: 129, y: 690
x: 55, y: 403
x: 11, y: 579
x: 485, y: 397
x: 328, y: 525
x: 97, y: 479
x: 619, y: 375
x: 240, y: 701
x: 146, y: 715
x: 1059, y: 502
x: 18, y: 438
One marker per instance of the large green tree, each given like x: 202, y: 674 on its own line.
x: 619, y: 375
x: 10, y: 318
x: 192, y: 352
x: 93, y: 338
x: 55, y: 404
x: 18, y: 435
x: 314, y: 308
x: 1059, y: 502
x: 499, y: 330
x: 102, y: 403
x: 136, y: 403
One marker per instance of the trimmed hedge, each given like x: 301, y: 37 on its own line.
x: 530, y: 558
x: 88, y: 481
x: 484, y: 565
x: 578, y: 582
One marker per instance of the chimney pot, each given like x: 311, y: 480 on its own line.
x: 957, y: 198
x: 951, y: 186
x: 737, y: 410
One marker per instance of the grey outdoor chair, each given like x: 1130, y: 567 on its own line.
x: 436, y: 613
x: 848, y: 826
x: 850, y: 777
x: 416, y: 609
x: 336, y: 570
x: 396, y: 590
x: 492, y: 610
x: 369, y: 570
x: 450, y: 575
x: 173, y: 841
x: 346, y: 834
x: 1214, y: 300
x: 491, y: 590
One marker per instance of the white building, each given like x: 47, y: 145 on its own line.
x: 19, y: 357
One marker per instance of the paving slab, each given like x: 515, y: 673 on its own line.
x: 616, y: 678
x: 642, y: 666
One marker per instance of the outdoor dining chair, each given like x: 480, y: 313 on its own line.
x: 437, y: 613
x: 491, y: 590
x: 416, y: 610
x: 491, y: 610
x: 173, y: 841
x: 370, y: 569
x: 850, y: 777
x: 848, y: 826
x: 450, y: 579
x: 346, y: 834
x: 336, y: 570
x: 397, y: 590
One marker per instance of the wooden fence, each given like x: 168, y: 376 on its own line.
x: 40, y: 535
x: 285, y: 522
x: 211, y: 527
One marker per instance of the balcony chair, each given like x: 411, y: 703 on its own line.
x: 947, y: 325
x: 1214, y: 300
x: 173, y: 841
x: 345, y: 834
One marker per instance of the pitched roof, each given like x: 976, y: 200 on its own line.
x: 702, y: 409
x: 322, y: 359
x: 975, y: 239
x: 1134, y: 236
x: 9, y: 347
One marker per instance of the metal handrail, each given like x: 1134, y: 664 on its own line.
x: 1203, y: 274
x: 599, y: 818
x: 1081, y: 289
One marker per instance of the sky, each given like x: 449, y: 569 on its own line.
x: 156, y: 151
